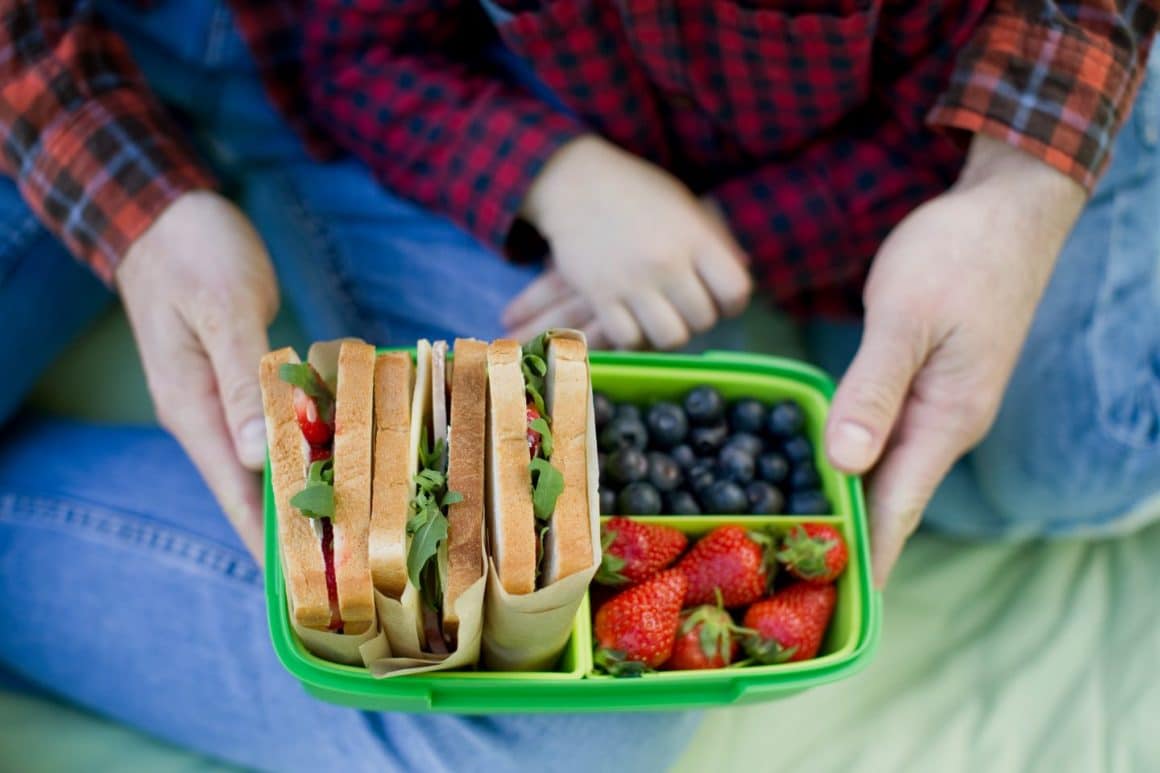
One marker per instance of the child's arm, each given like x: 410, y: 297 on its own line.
x: 404, y: 86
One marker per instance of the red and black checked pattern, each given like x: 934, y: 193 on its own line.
x: 1068, y: 79
x: 403, y: 85
x: 804, y: 117
x: 775, y: 113
x: 94, y: 155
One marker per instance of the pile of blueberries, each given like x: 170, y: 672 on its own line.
x: 706, y: 456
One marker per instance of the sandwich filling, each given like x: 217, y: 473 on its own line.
x: 314, y: 408
x: 547, y: 481
x: 427, y: 528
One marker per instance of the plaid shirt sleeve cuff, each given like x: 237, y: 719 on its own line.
x: 1050, y: 89
x: 503, y: 151
x: 104, y: 172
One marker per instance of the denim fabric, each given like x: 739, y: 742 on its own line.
x: 123, y: 587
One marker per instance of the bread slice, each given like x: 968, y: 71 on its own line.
x: 511, y: 523
x: 301, y: 550
x: 465, y: 475
x: 391, y: 489
x: 568, y: 547
x: 353, y: 427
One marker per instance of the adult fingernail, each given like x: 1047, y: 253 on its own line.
x: 851, y: 446
x: 252, y: 443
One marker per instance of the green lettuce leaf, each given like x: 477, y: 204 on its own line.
x: 547, y: 485
x: 541, y: 425
x: 316, y: 500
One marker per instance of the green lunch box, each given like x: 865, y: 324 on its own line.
x: 573, y: 686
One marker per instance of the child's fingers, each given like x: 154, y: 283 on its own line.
x: 619, y: 325
x: 723, y: 272
x: 693, y: 302
x: 542, y: 294
x: 661, y: 323
x: 573, y: 312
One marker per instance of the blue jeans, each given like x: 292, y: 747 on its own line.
x: 117, y: 563
x: 122, y: 587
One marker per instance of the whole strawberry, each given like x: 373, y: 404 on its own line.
x: 635, y: 551
x: 636, y: 628
x: 790, y: 624
x: 814, y: 552
x: 707, y: 638
x: 731, y: 559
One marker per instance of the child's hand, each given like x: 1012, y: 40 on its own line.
x: 632, y: 247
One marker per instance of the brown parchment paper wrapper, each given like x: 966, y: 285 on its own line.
x: 400, y: 650
x: 527, y: 633
x: 337, y: 647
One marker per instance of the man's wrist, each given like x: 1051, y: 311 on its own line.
x: 992, y: 161
x: 1046, y: 200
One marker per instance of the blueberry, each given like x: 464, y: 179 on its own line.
x: 639, y: 498
x: 684, y: 456
x: 628, y: 411
x: 607, y: 501
x: 747, y: 415
x: 681, y: 503
x: 810, y: 502
x: 667, y: 425
x: 786, y: 418
x: 750, y: 444
x: 701, y: 475
x: 772, y: 467
x: 663, y: 472
x: 704, y: 405
x: 623, y: 432
x: 804, y: 476
x: 602, y: 409
x: 736, y: 464
x: 628, y: 465
x: 764, y: 499
x: 708, y: 440
x: 725, y: 498
x: 798, y: 449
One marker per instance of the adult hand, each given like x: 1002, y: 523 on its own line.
x: 636, y: 259
x: 949, y: 302
x: 200, y: 292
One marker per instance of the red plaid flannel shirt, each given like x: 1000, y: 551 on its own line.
x: 814, y: 123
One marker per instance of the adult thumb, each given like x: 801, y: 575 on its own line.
x: 234, y: 351
x: 871, y: 393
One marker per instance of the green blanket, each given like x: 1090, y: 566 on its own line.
x: 994, y: 657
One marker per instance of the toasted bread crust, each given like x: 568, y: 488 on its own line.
x: 301, y: 551
x: 569, y: 542
x: 352, y: 484
x: 511, y: 522
x: 465, y: 474
x: 391, y: 490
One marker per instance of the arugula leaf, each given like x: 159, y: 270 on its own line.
x: 428, y: 523
x: 425, y: 543
x: 305, y: 377
x: 541, y: 425
x: 541, y: 550
x: 535, y: 367
x: 316, y: 500
x: 547, y: 485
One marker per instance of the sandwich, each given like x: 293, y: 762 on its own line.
x: 538, y: 471
x: 542, y: 509
x: 426, y: 545
x: 318, y: 423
